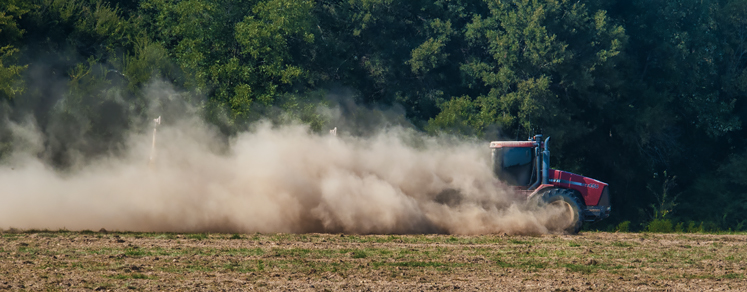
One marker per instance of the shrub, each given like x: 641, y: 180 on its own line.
x: 691, y: 228
x: 623, y: 226
x: 739, y: 227
x: 660, y: 226
x: 680, y: 227
x: 709, y: 226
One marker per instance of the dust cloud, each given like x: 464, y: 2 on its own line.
x: 270, y: 178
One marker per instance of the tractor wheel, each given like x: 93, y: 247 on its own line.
x: 571, y: 219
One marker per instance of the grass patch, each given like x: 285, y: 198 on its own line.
x: 281, y: 237
x: 135, y: 252
x: 585, y: 269
x: 418, y: 264
x: 197, y: 236
x: 533, y: 265
x: 421, y: 264
x: 503, y: 264
x: 250, y: 252
x: 141, y: 276
x: 131, y: 276
x: 292, y: 252
x: 701, y: 276
x: 622, y: 244
x: 359, y: 254
x: 165, y: 236
x: 732, y: 276
x: 28, y: 250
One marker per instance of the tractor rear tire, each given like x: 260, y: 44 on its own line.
x: 571, y: 219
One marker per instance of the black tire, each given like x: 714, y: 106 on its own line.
x: 571, y: 220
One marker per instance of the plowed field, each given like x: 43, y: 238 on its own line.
x: 104, y: 261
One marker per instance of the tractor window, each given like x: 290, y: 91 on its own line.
x: 514, y: 165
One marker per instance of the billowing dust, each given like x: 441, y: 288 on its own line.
x: 268, y: 179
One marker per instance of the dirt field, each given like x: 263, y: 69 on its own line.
x: 315, y: 262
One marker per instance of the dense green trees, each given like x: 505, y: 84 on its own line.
x: 10, y: 34
x: 240, y: 53
x: 541, y: 62
x: 646, y: 95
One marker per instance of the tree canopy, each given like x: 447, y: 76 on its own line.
x: 645, y: 95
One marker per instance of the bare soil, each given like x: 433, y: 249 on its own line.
x: 107, y: 261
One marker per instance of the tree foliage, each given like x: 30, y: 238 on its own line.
x: 628, y: 90
x: 10, y: 33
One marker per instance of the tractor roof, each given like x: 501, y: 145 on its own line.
x: 512, y: 144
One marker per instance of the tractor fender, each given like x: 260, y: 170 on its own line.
x: 537, y: 193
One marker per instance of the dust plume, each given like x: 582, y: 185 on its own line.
x: 270, y: 178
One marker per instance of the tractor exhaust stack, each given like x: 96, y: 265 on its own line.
x: 546, y: 162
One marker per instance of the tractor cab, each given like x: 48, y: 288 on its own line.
x: 517, y: 163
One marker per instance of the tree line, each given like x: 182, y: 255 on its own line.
x: 645, y: 95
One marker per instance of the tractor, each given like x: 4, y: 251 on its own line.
x: 525, y: 165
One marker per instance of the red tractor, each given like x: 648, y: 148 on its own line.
x: 526, y: 166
